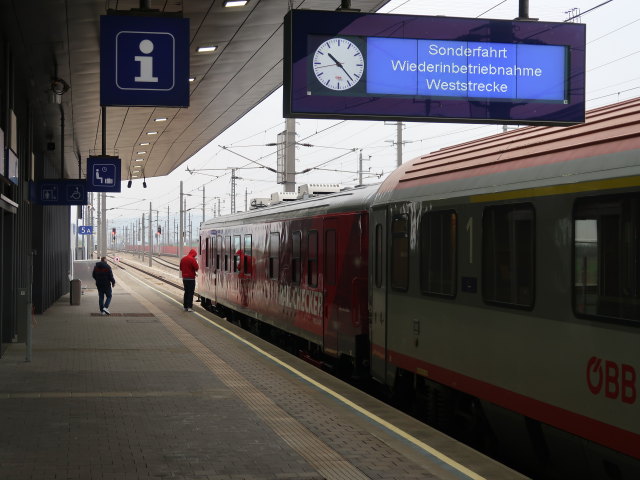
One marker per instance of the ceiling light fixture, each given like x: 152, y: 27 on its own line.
x: 144, y: 144
x: 235, y: 3
x: 207, y: 49
x: 139, y: 159
x: 152, y: 133
x: 161, y: 119
x: 141, y: 153
x: 192, y: 79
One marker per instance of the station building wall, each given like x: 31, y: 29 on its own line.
x: 34, y: 240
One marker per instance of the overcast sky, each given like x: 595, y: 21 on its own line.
x: 613, y: 74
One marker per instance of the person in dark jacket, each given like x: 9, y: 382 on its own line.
x: 188, y: 268
x: 104, y: 281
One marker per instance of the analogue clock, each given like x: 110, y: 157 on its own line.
x: 338, y: 64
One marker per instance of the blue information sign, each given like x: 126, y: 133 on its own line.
x: 103, y: 174
x: 144, y: 61
x: 58, y: 192
x: 85, y: 230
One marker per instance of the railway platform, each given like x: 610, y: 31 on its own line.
x: 152, y: 391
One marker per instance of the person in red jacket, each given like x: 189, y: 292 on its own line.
x: 188, y: 268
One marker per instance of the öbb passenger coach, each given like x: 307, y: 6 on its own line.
x: 494, y: 285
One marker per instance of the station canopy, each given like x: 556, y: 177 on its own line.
x: 53, y: 40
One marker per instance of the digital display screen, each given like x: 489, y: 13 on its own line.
x: 377, y: 66
x: 434, y: 68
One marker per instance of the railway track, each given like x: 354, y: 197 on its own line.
x: 127, y: 262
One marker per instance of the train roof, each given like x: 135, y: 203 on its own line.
x: 605, y: 146
x: 347, y: 200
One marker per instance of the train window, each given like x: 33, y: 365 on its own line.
x: 227, y: 263
x: 400, y: 252
x: 330, y: 257
x: 274, y: 254
x: 218, y: 251
x: 206, y: 249
x: 296, y: 263
x: 212, y: 242
x: 312, y: 259
x: 508, y: 246
x: 606, y: 257
x: 237, y: 251
x: 378, y: 258
x: 438, y: 253
x: 247, y: 255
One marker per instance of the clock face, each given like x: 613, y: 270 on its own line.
x: 338, y: 64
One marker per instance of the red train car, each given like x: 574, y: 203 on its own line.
x: 300, y: 267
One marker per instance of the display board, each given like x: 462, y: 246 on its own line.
x: 378, y: 66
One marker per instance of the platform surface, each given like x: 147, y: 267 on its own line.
x: 155, y: 392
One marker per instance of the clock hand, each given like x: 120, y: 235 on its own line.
x: 340, y: 65
x: 335, y: 60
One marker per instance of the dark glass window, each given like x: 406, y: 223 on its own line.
x: 274, y: 254
x: 296, y: 263
x: 400, y: 252
x: 438, y: 253
x: 237, y: 251
x: 312, y: 259
x: 227, y: 253
x: 218, y: 251
x: 508, y: 246
x: 247, y: 255
x: 207, y: 254
x: 607, y: 257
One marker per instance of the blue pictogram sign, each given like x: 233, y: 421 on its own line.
x: 58, y: 192
x: 144, y: 61
x: 103, y: 174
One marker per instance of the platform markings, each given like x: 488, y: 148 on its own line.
x: 327, y: 462
x: 436, y: 454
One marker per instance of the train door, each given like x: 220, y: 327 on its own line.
x: 378, y: 282
x: 331, y: 310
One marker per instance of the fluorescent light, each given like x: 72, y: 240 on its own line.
x: 152, y: 133
x: 144, y: 144
x: 207, y: 49
x: 192, y: 79
x: 139, y: 159
x: 141, y: 153
x: 137, y: 166
x: 235, y: 3
x: 162, y: 119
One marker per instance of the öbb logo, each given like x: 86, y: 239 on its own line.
x: 612, y: 379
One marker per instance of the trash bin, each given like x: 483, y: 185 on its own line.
x: 76, y: 291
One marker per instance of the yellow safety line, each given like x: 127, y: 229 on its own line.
x: 375, y: 418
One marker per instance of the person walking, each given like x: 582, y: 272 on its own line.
x: 103, y: 276
x: 188, y: 268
